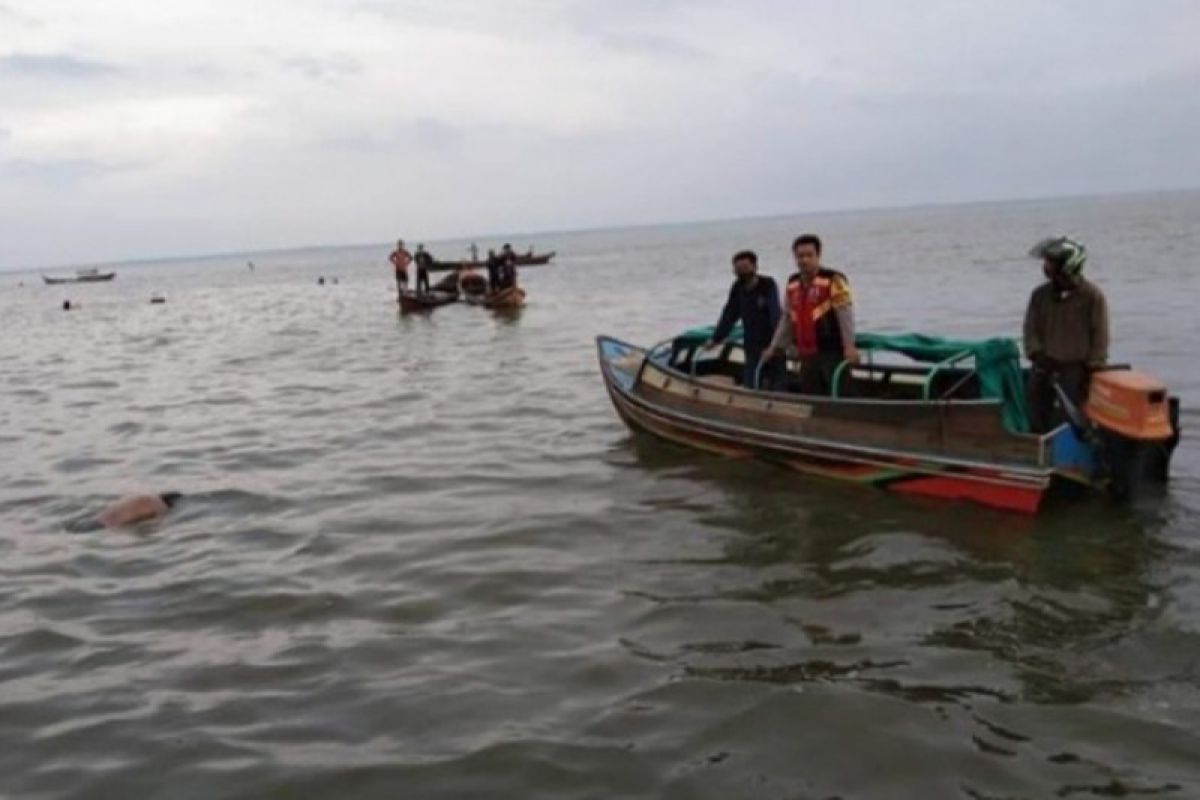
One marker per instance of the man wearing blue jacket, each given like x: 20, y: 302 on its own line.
x: 753, y: 299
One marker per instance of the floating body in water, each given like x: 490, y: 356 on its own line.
x: 129, y: 510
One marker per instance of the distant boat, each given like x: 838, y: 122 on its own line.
x: 411, y: 302
x: 530, y: 259
x: 473, y: 285
x: 82, y: 276
x: 508, y: 299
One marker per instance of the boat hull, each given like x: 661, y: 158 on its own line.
x: 413, y: 302
x: 505, y: 300
x: 99, y: 278
x: 1010, y: 487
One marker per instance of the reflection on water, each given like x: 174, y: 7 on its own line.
x: 419, y: 555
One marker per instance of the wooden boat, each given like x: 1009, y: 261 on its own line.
x: 925, y: 430
x: 529, y: 259
x: 505, y: 299
x: 81, y: 276
x: 473, y: 286
x: 449, y: 283
x: 411, y: 301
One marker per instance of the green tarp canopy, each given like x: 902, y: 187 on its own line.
x: 997, y: 361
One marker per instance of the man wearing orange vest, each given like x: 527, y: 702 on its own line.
x: 818, y: 322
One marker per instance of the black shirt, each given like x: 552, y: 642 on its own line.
x: 757, y: 306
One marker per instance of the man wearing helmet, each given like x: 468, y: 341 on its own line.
x: 1066, y: 330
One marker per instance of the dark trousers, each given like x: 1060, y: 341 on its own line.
x: 422, y: 280
x: 1045, y: 414
x: 816, y: 373
x: 401, y: 280
x: 771, y: 378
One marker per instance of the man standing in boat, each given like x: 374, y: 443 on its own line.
x: 506, y: 252
x: 493, y: 264
x: 400, y: 259
x: 424, y: 264
x: 1066, y: 331
x: 819, y: 319
x: 753, y: 299
x: 506, y: 270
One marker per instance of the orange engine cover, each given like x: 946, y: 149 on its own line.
x: 1132, y: 404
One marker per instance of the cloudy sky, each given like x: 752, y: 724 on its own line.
x: 133, y: 129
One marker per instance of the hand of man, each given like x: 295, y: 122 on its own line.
x: 769, y: 354
x: 851, y: 354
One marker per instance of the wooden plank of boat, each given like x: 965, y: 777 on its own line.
x: 411, y: 301
x: 948, y: 449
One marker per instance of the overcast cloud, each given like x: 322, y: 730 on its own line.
x: 132, y: 128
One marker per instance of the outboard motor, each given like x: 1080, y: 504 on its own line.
x: 1136, y: 426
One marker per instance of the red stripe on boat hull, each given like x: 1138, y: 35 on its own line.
x: 1008, y: 498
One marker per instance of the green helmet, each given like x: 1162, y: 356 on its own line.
x: 1068, y: 254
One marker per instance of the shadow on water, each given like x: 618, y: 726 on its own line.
x: 1004, y: 636
x: 1032, y: 593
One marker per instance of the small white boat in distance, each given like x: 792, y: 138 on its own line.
x: 90, y: 275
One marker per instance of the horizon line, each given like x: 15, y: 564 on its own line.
x: 225, y: 254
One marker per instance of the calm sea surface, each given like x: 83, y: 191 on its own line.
x: 422, y: 558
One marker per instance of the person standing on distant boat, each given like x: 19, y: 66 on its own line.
x: 474, y: 253
x: 424, y: 264
x: 506, y: 270
x: 753, y: 299
x: 493, y: 270
x: 819, y: 320
x: 1066, y: 331
x: 400, y: 259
